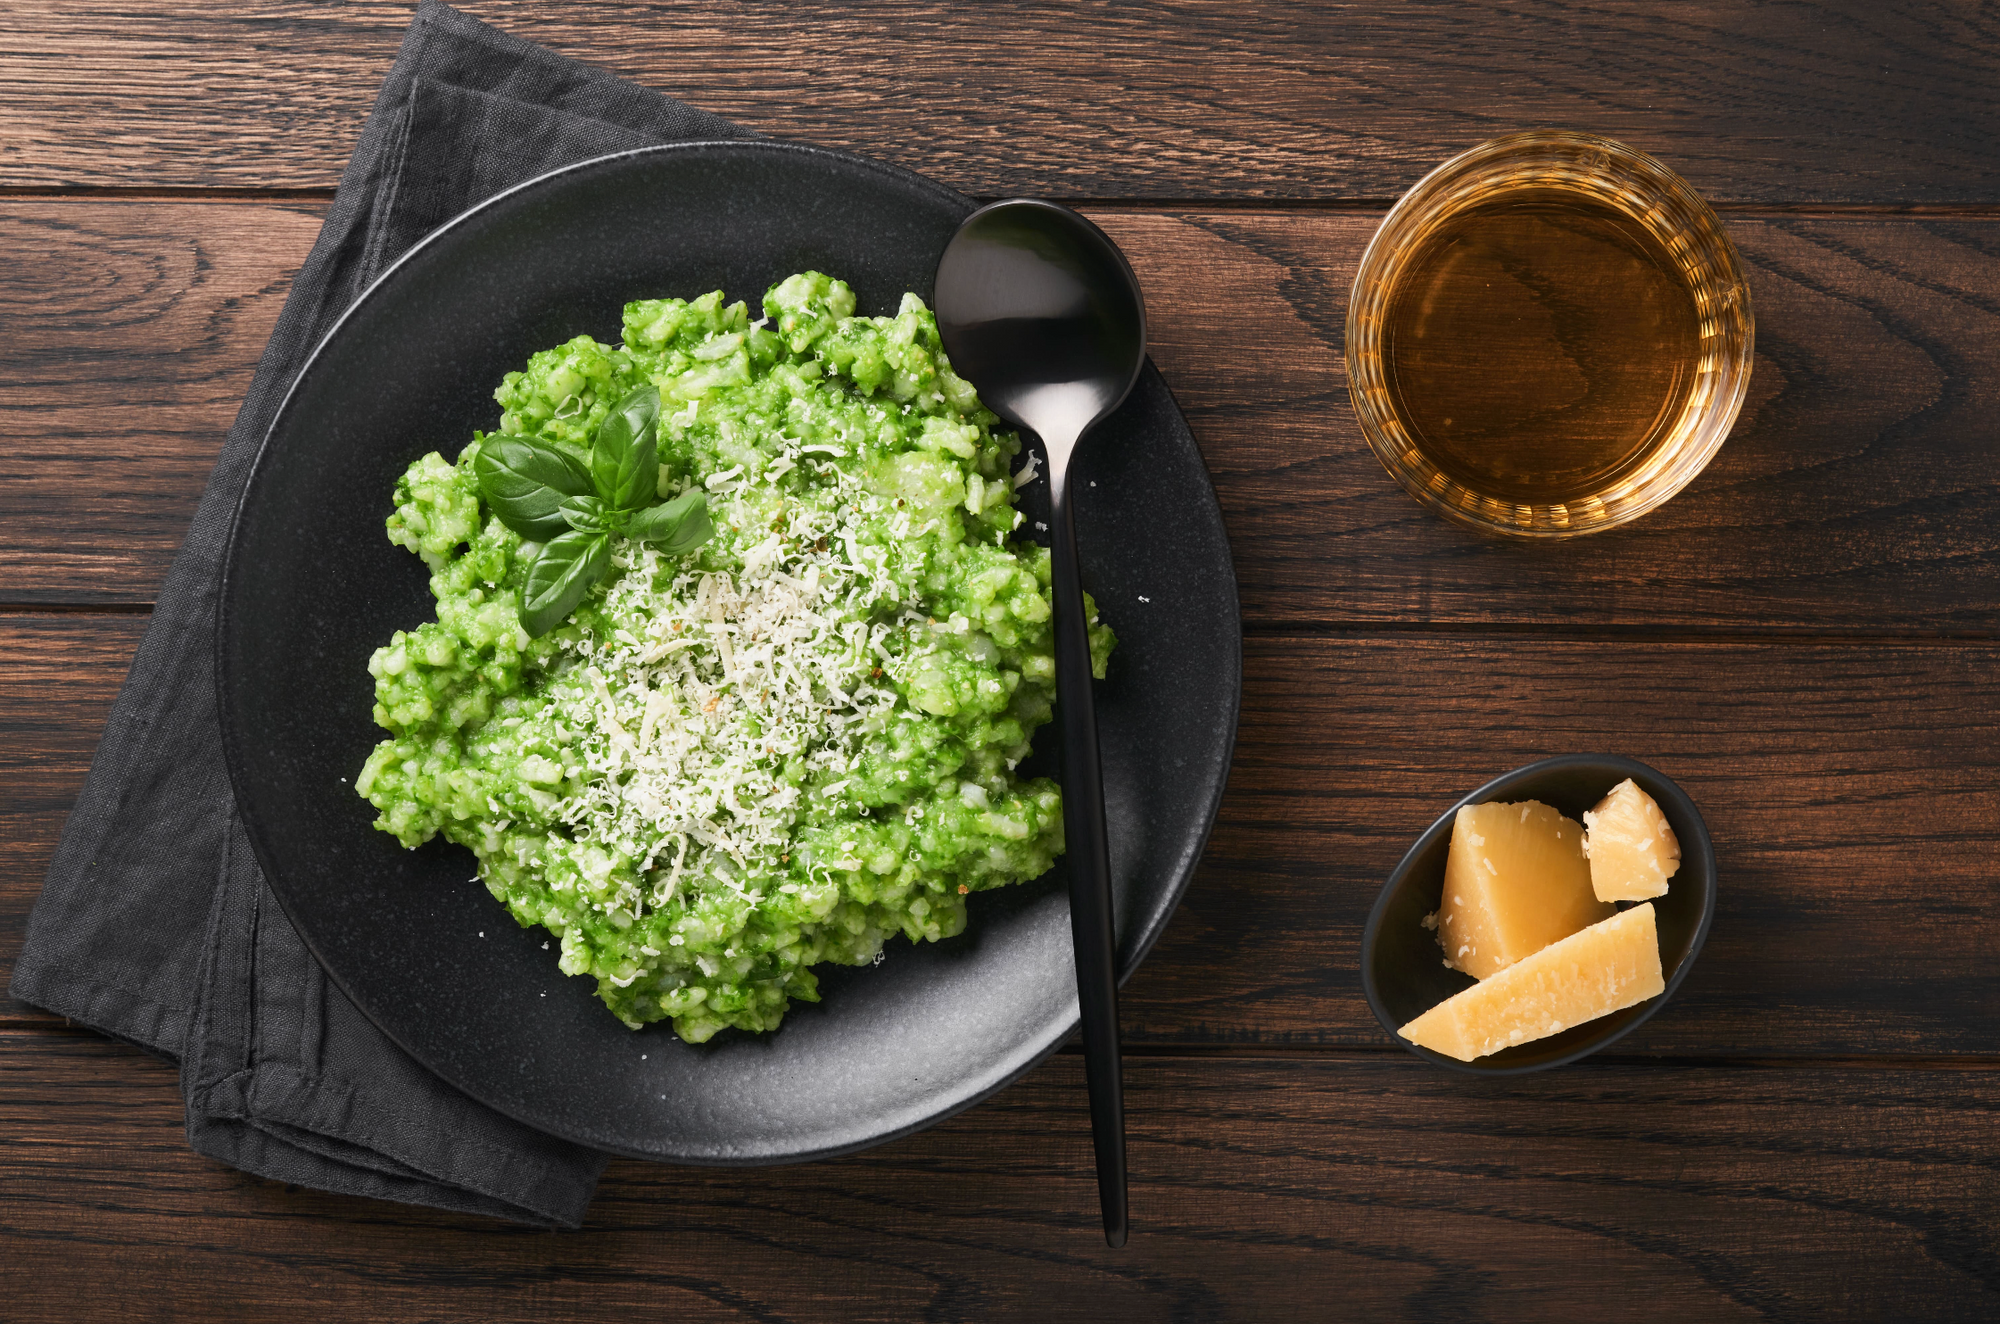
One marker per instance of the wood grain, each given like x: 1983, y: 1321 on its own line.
x: 1854, y: 831
x: 1841, y: 101
x: 1856, y: 492
x: 58, y: 676
x: 132, y: 333
x: 1860, y: 493
x: 1262, y: 1190
x: 1851, y: 791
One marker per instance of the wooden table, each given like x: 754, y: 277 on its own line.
x: 1806, y: 639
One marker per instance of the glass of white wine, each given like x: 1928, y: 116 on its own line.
x: 1548, y: 336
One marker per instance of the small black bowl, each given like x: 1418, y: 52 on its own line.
x: 1402, y: 967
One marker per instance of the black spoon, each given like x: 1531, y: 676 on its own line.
x: 1041, y: 312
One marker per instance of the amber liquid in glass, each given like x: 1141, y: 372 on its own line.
x: 1540, y: 346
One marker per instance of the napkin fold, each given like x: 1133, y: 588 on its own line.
x: 155, y: 924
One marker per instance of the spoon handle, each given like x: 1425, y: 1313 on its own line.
x: 1088, y: 852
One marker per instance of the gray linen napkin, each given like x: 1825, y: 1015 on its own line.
x: 155, y: 924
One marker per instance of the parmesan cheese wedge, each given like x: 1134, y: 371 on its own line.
x: 1605, y: 968
x: 1515, y: 881
x: 1631, y: 849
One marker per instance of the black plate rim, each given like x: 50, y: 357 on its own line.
x: 1003, y: 1072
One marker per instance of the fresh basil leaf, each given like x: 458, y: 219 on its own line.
x: 524, y: 482
x: 677, y: 527
x: 560, y: 577
x: 586, y: 514
x: 625, y: 457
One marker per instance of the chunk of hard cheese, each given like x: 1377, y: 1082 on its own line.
x: 1632, y: 850
x: 1515, y: 881
x: 1607, y: 967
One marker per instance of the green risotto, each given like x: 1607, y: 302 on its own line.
x: 727, y: 766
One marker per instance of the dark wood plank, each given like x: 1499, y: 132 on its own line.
x: 1262, y: 1190
x: 58, y: 676
x: 132, y: 332
x: 1837, y: 101
x: 1852, y: 792
x: 1861, y: 492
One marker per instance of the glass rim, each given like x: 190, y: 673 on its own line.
x: 1677, y: 216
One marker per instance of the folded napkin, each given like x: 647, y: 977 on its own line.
x: 155, y: 924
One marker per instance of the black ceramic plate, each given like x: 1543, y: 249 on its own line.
x: 312, y: 587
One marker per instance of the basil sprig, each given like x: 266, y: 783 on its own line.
x: 548, y: 497
x: 526, y: 483
x: 560, y: 576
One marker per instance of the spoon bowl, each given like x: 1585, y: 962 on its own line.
x: 1040, y: 311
